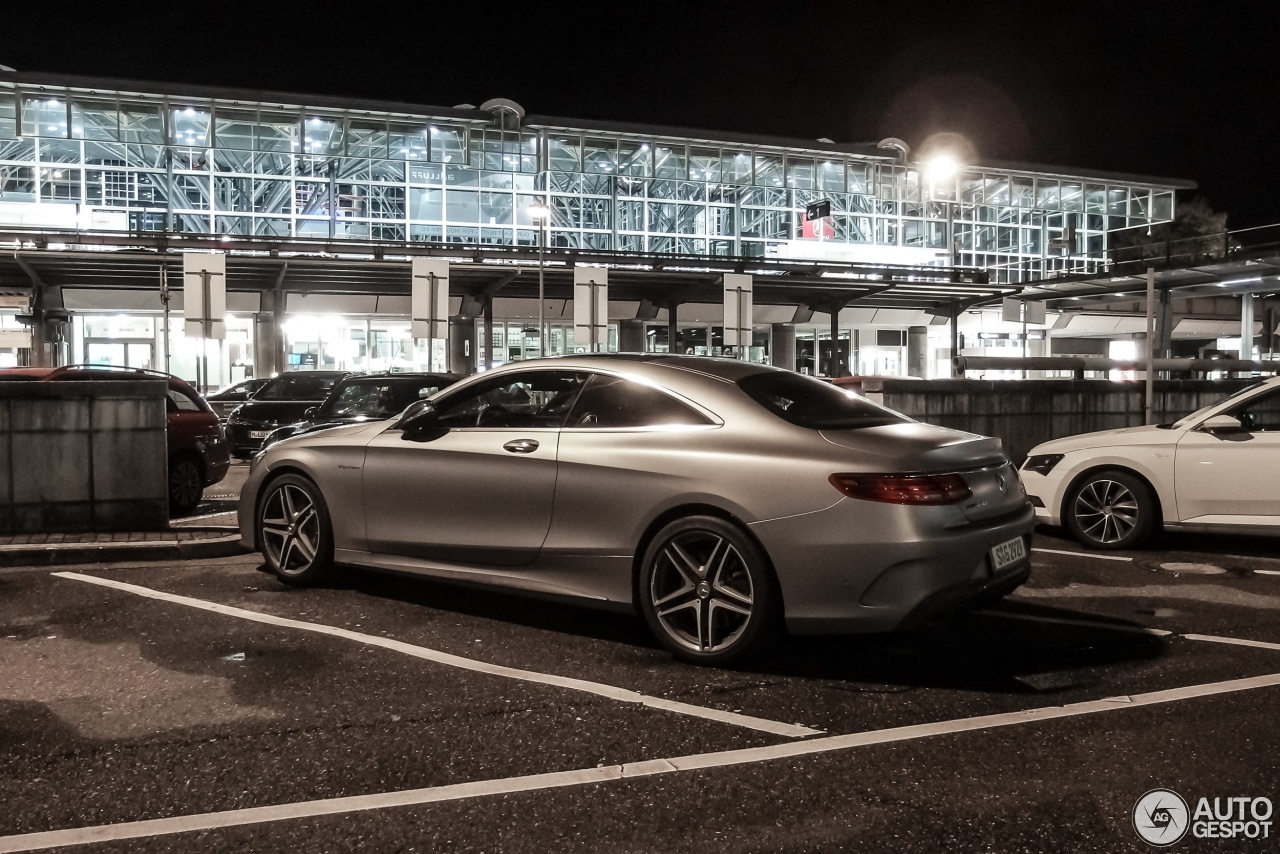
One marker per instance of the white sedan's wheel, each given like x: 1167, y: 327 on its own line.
x: 1111, y: 510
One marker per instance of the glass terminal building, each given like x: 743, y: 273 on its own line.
x: 100, y: 178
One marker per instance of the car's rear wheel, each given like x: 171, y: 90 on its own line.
x: 294, y: 531
x: 708, y: 593
x: 186, y: 485
x: 1111, y: 510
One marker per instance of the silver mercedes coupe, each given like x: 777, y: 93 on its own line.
x: 724, y: 501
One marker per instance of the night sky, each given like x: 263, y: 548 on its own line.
x: 1178, y: 90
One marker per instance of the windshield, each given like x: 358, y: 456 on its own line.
x: 298, y: 386
x: 812, y: 403
x: 379, y: 398
x: 1188, y: 420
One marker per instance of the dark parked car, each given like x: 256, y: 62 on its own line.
x: 224, y: 401
x: 283, y: 400
x: 365, y: 398
x: 198, y: 454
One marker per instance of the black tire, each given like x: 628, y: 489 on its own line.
x: 294, y: 531
x: 708, y: 593
x: 186, y: 485
x: 1111, y: 509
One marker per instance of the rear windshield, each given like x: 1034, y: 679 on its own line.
x: 808, y: 402
x: 298, y: 386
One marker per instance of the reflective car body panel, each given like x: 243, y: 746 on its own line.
x: 571, y: 517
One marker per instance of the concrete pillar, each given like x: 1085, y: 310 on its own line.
x: 462, y: 331
x: 1246, y: 327
x: 673, y: 331
x: 918, y: 351
x: 486, y: 346
x: 1165, y: 321
x: 268, y: 336
x: 631, y: 336
x: 782, y: 347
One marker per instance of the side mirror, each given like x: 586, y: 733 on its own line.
x: 311, y: 412
x: 418, y: 423
x: 1221, y: 424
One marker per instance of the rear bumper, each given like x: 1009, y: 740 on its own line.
x: 946, y: 603
x: 866, y: 567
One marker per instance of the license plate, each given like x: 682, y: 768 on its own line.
x: 1008, y: 553
x: 259, y: 434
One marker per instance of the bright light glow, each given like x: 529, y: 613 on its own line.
x: 538, y: 210
x: 941, y: 167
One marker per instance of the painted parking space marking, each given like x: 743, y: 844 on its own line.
x: 1080, y: 554
x: 1267, y: 571
x: 1091, y: 624
x: 1235, y: 641
x: 609, y: 691
x: 584, y: 776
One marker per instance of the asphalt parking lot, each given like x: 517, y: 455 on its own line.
x: 205, y: 706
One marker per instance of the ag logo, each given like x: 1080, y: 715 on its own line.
x: 1160, y: 817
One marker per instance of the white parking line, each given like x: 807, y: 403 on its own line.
x: 1267, y: 571
x: 1093, y: 624
x: 1236, y: 641
x: 563, y: 779
x: 1081, y: 554
x: 621, y: 694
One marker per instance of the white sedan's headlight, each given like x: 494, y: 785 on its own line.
x: 1042, y: 464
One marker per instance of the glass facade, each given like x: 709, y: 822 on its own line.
x: 105, y: 160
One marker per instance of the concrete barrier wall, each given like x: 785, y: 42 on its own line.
x: 1024, y: 413
x: 83, y: 456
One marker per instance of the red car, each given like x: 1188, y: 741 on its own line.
x: 198, y: 454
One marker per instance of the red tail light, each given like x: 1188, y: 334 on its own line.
x: 903, y: 488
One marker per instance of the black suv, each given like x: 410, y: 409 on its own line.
x: 365, y: 398
x: 283, y: 400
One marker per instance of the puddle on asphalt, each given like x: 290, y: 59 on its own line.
x: 1215, y: 594
x: 110, y: 690
x: 1193, y: 569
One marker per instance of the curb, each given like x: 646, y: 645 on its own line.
x: 58, y: 554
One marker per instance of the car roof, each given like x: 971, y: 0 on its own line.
x: 403, y: 376
x: 315, y: 374
x: 729, y: 370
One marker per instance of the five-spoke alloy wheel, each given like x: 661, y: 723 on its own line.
x: 1111, y: 510
x: 707, y: 591
x: 294, y: 531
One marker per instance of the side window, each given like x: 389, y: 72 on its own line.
x: 181, y: 403
x: 611, y: 402
x: 514, y: 401
x: 1260, y: 415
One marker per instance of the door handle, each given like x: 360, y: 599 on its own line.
x: 521, y: 446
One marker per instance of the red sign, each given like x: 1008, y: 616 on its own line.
x: 824, y: 228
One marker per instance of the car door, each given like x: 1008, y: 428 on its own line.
x: 625, y: 449
x: 1236, y: 474
x: 481, y: 493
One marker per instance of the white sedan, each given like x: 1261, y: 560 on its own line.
x: 1218, y: 469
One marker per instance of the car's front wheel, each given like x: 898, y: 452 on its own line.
x: 1111, y: 510
x: 294, y: 531
x: 708, y: 593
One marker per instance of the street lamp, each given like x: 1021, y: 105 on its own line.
x: 541, y: 213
